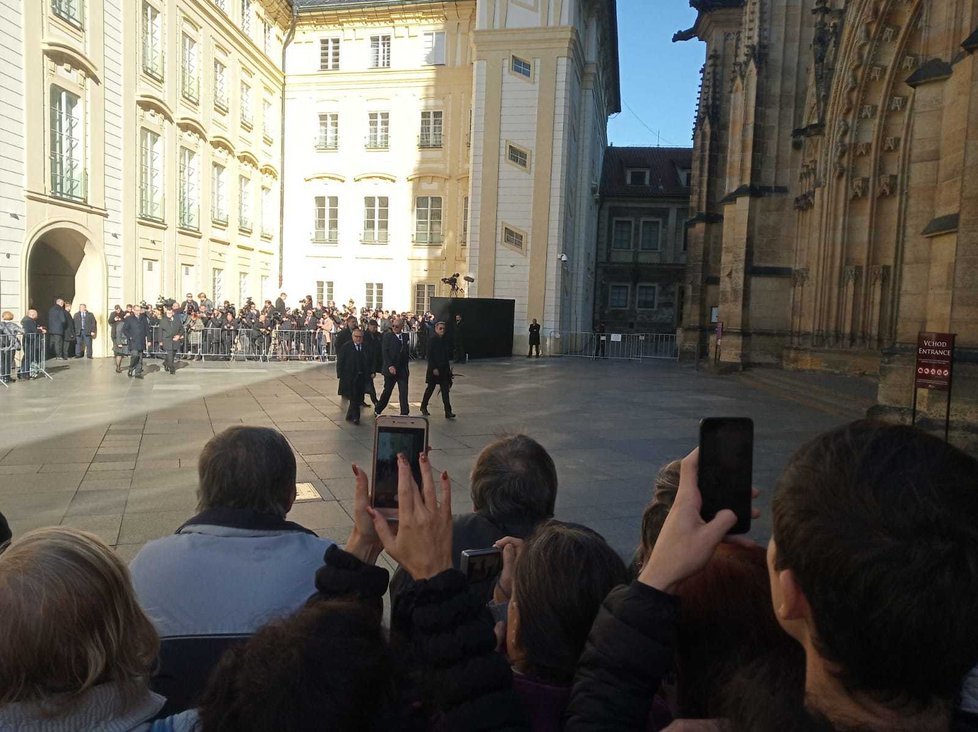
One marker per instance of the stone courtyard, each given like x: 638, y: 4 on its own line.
x: 98, y: 451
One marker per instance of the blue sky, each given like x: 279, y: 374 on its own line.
x: 659, y: 78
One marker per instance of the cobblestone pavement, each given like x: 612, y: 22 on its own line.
x: 117, y: 456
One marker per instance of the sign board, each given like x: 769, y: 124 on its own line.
x: 935, y: 358
x: 616, y: 337
x: 719, y: 330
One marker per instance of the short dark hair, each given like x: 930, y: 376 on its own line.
x: 515, y: 476
x: 247, y: 467
x: 328, y: 666
x: 564, y: 573
x: 878, y: 524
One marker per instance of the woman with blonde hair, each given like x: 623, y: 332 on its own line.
x: 77, y: 649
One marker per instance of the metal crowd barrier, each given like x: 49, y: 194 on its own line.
x: 625, y: 346
x: 246, y: 344
x: 25, y: 353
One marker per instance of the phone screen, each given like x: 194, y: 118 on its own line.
x: 725, y: 468
x: 481, y: 565
x: 390, y: 442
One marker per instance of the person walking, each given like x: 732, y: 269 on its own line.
x: 136, y: 329
x: 86, y: 329
x: 534, y: 338
x: 353, y: 370
x: 119, y: 350
x: 439, y: 372
x: 375, y: 362
x: 395, y: 351
x: 171, y: 333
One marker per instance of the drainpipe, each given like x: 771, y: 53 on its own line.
x: 281, y: 134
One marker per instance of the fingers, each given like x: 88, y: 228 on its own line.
x: 406, y: 487
x: 509, y: 540
x: 720, y: 526
x: 427, y: 483
x: 446, y: 493
x: 361, y: 496
x: 383, y: 530
x: 688, y: 491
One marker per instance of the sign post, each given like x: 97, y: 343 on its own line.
x: 934, y: 370
x: 716, y: 354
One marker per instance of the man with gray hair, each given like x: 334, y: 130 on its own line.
x: 395, y: 350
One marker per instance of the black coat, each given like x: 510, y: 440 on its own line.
x: 371, y: 341
x: 534, y: 334
x: 395, y: 352
x: 340, y: 339
x: 91, y: 327
x: 438, y: 358
x: 171, y: 326
x: 351, y: 365
x: 58, y: 320
x: 136, y: 330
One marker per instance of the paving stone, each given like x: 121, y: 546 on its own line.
x: 97, y: 502
x: 105, y: 527
x: 138, y: 528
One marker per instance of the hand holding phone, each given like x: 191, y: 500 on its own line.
x: 726, y: 468
x: 394, y: 436
x: 481, y: 565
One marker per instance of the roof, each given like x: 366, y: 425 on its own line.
x: 301, y: 5
x: 663, y: 164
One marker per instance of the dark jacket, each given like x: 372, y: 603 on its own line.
x: 91, y: 327
x: 438, y: 358
x: 58, y: 320
x: 29, y: 325
x: 395, y: 351
x: 371, y: 342
x: 169, y: 327
x: 339, y: 340
x: 534, y: 334
x: 351, y: 366
x: 135, y: 329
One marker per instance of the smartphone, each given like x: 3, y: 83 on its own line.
x: 726, y: 466
x: 393, y: 435
x: 480, y: 565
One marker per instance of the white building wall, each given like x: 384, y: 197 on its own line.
x: 477, y: 195
x: 12, y: 173
x: 114, y: 166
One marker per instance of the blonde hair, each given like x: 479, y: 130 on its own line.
x: 69, y: 620
x: 7, y: 315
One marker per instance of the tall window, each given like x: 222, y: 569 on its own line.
x: 375, y: 219
x: 246, y: 104
x: 152, y: 41
x: 327, y: 219
x: 375, y: 296
x: 246, y: 20
x: 427, y: 224
x: 431, y: 129
x: 464, y: 240
x: 67, y: 146
x: 422, y: 297
x: 380, y: 52
x: 150, y: 175
x: 217, y: 284
x: 651, y: 230
x: 189, y: 69
x: 324, y: 291
x: 72, y: 11
x: 266, y: 37
x: 378, y: 130
x: 220, y: 86
x: 219, y: 194
x: 645, y: 297
x: 244, y: 203
x: 329, y: 54
x: 618, y: 296
x: 621, y: 234
x: 266, y: 118
x: 434, y: 48
x: 267, y: 212
x: 189, y: 189
x: 329, y: 131
x: 243, y: 287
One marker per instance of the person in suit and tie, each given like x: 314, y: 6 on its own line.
x: 135, y: 328
x: 85, y: 331
x: 395, y: 351
x: 439, y: 371
x: 353, y: 370
x: 171, y: 332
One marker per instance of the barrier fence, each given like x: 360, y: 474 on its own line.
x: 626, y: 346
x: 23, y: 353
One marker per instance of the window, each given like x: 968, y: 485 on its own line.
x: 513, y: 238
x: 72, y: 11
x: 329, y: 131
x: 375, y: 219
x: 518, y: 156
x: 264, y: 287
x: 375, y: 296
x: 645, y: 296
x: 217, y: 284
x: 244, y: 203
x: 219, y: 194
x: 618, y: 296
x: 189, y: 69
x: 246, y: 105
x: 243, y: 293
x: 521, y: 67
x: 422, y: 297
x: 151, y: 280
x: 189, y: 189
x: 427, y: 226
x: 380, y: 52
x: 650, y: 235
x: 266, y: 119
x: 621, y: 235
x: 329, y: 54
x: 324, y: 291
x: 378, y: 130
x: 464, y: 239
x: 67, y: 146
x: 246, y: 21
x: 431, y: 129
x: 220, y: 86
x: 638, y: 177
x: 222, y: 4
x: 152, y: 42
x: 188, y: 282
x: 266, y: 36
x: 327, y: 219
x: 150, y: 175
x: 434, y: 48
x: 267, y: 212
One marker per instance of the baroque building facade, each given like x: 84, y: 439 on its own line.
x: 833, y: 190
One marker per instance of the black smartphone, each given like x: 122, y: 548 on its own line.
x: 480, y: 565
x: 393, y: 435
x: 726, y: 467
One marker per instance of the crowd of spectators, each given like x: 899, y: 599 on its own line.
x: 859, y: 615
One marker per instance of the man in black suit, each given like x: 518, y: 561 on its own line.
x: 344, y: 336
x: 353, y: 370
x: 280, y: 303
x: 85, y: 331
x: 395, y: 353
x: 58, y: 325
x: 534, y: 338
x: 171, y: 332
x: 375, y: 362
x: 136, y: 330
x: 439, y: 371
x: 458, y: 339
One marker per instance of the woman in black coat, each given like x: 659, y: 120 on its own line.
x: 439, y: 371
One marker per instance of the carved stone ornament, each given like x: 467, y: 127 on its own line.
x: 879, y: 274
x: 221, y: 152
x: 898, y: 104
x: 890, y: 33
x: 876, y: 72
x: 799, y: 277
x: 852, y: 273
x: 862, y: 149
x: 887, y: 185
x: 891, y: 143
x: 868, y: 111
x: 858, y: 188
x: 910, y: 62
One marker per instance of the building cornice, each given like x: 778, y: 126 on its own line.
x: 229, y: 33
x: 58, y: 50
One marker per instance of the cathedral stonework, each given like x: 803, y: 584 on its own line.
x: 834, y: 206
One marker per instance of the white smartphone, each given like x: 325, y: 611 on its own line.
x: 393, y: 435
